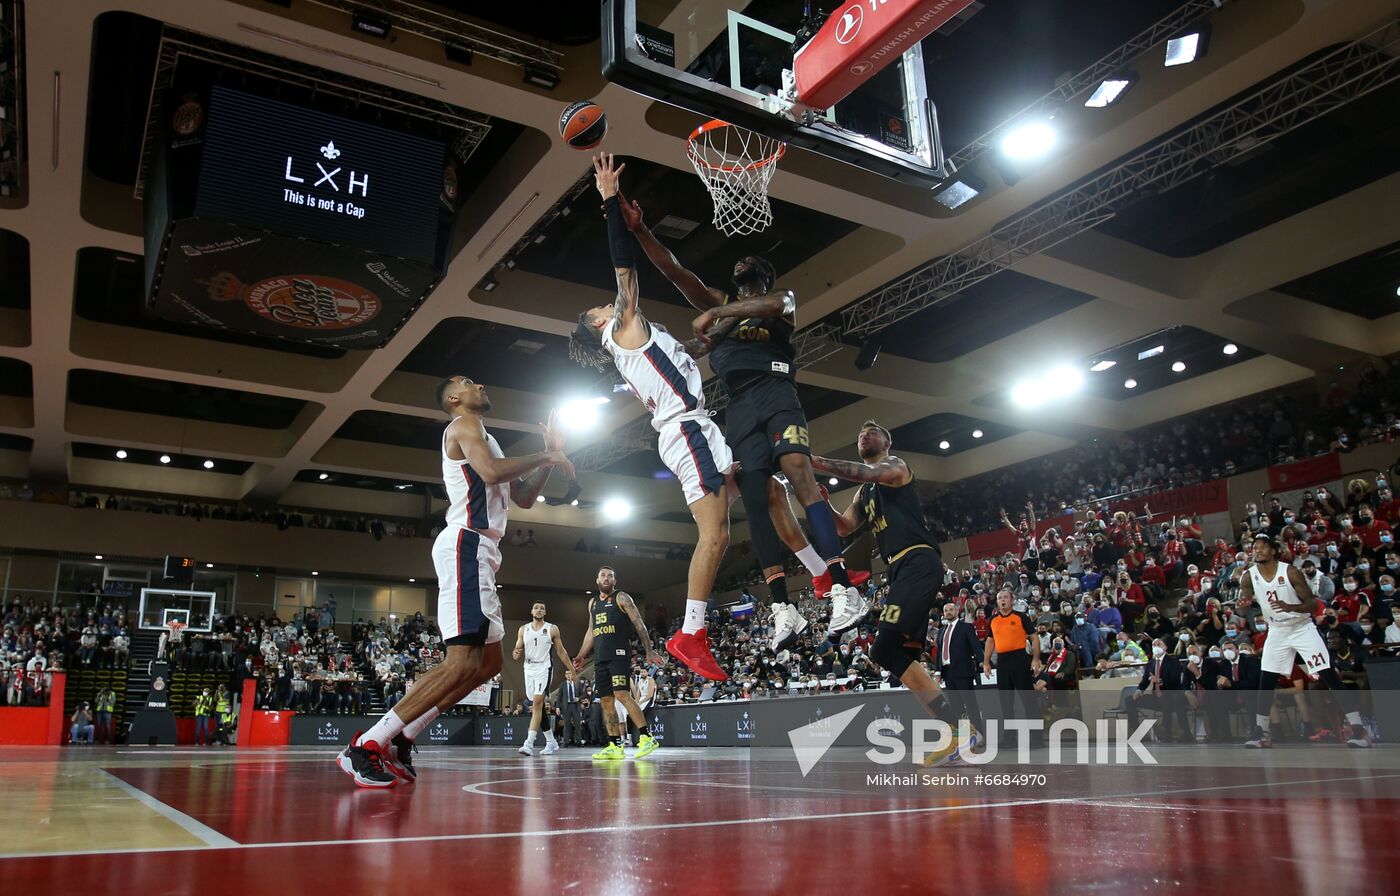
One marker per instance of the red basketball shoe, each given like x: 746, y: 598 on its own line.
x: 694, y: 651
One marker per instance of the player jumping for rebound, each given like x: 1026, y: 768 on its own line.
x: 767, y: 427
x: 1282, y: 593
x: 481, y: 482
x: 888, y: 501
x: 533, y: 643
x: 664, y: 376
x: 607, y: 635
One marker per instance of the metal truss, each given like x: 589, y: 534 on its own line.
x: 1183, y: 17
x: 435, y: 24
x: 1284, y: 104
x: 470, y: 127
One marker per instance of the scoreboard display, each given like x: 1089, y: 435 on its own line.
x: 303, y: 172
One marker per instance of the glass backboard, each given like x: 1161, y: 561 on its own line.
x: 733, y: 60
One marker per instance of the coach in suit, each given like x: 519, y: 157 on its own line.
x: 959, y: 656
x: 570, y: 693
x: 1229, y: 679
x: 1162, y: 688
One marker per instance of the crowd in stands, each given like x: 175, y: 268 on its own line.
x: 37, y: 640
x: 1217, y: 442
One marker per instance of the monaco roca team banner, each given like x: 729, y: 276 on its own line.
x: 1303, y: 473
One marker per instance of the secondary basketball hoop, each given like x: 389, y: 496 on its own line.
x: 736, y: 165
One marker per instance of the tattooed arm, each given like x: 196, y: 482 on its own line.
x: 890, y: 471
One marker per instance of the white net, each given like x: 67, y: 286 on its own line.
x: 736, y: 166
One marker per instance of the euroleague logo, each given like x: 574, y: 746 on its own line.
x: 307, y: 301
x: 848, y: 26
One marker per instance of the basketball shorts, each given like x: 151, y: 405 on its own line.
x: 537, y: 680
x: 915, y: 580
x: 469, y: 610
x: 1282, y: 645
x: 694, y: 449
x: 612, y: 673
x: 765, y: 420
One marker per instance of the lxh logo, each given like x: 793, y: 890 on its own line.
x: 699, y: 729
x: 329, y: 172
x: 439, y: 733
x: 744, y: 727
x: 328, y: 732
x: 658, y: 728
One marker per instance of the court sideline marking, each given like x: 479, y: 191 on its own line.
x: 212, y: 838
x: 671, y: 826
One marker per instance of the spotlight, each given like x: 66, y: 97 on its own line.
x: 539, y: 499
x: 541, y: 77
x: 371, y: 25
x: 324, y: 476
x: 1178, y: 366
x: 411, y: 581
x: 573, y: 503
x: 1110, y: 91
x: 489, y: 284
x: 869, y: 352
x: 1151, y: 352
x: 832, y: 481
x: 510, y: 264
x: 1065, y: 379
x: 208, y: 566
x: 1187, y: 46
x: 165, y: 458
x: 97, y: 556
x: 959, y: 192
x: 580, y: 414
x: 458, y: 53
x: 1230, y: 348
x: 403, y: 486
x: 943, y: 445
x: 208, y: 465
x: 1027, y: 394
x: 121, y: 454
x: 1029, y: 141
x: 617, y: 509
x: 1130, y: 384
x: 572, y: 492
x: 315, y: 573
x: 1102, y: 366
x: 977, y: 433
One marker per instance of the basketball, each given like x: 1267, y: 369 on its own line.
x: 583, y: 125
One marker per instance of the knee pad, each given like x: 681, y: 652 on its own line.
x: 890, y: 651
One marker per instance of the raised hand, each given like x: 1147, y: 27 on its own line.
x: 553, y: 433
x: 631, y: 211
x: 606, y: 174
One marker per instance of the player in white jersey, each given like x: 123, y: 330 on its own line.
x: 662, y: 373
x: 536, y: 640
x: 481, y: 483
x: 1282, y: 593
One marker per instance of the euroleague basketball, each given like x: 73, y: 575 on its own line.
x: 583, y: 125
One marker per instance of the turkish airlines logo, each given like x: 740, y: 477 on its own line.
x: 848, y: 26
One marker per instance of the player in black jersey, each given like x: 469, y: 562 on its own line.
x: 766, y: 428
x: 888, y: 502
x: 608, y: 617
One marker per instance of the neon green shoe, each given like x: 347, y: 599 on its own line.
x: 611, y: 751
x: 646, y: 746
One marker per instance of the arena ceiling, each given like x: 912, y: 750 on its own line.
x: 1289, y: 252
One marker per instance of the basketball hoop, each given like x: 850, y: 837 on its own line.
x: 736, y: 165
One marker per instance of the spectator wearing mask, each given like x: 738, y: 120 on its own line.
x: 106, y: 704
x: 1163, y: 688
x: 1128, y: 597
x: 1321, y: 585
x: 82, y: 728
x: 203, y: 710
x: 1159, y: 626
x: 1128, y: 650
x: 1353, y: 602
x: 1106, y: 617
x: 1375, y: 533
x: 1087, y: 640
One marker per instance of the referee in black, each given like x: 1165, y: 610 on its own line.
x: 958, y: 654
x: 1011, y: 631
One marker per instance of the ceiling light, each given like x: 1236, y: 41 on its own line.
x: 1230, y: 348
x: 208, y: 465
x: 541, y: 77
x: 371, y: 25
x: 1187, y: 46
x: 411, y: 581
x: 458, y: 53
x: 1178, y: 366
x: 977, y: 433
x: 404, y: 485
x: 832, y: 481
x: 958, y: 193
x: 1110, y: 91
x: 1102, y: 366
x: 573, y: 503
x: 943, y: 445
x: 617, y: 509
x: 315, y: 573
x: 97, y: 556
x: 489, y: 284
x: 1130, y: 384
x: 539, y: 499
x: 324, y: 476
x: 208, y: 566
x: 580, y: 414
x: 121, y: 454
x: 1028, y: 394
x: 165, y: 458
x: 1154, y: 350
x: 1029, y: 141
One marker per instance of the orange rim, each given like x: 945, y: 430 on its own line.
x: 716, y: 124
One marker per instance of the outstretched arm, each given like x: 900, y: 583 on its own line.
x: 700, y: 296
x: 624, y: 600
x: 890, y: 471
x: 606, y: 175
x: 526, y: 490
x: 501, y: 469
x: 777, y: 304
